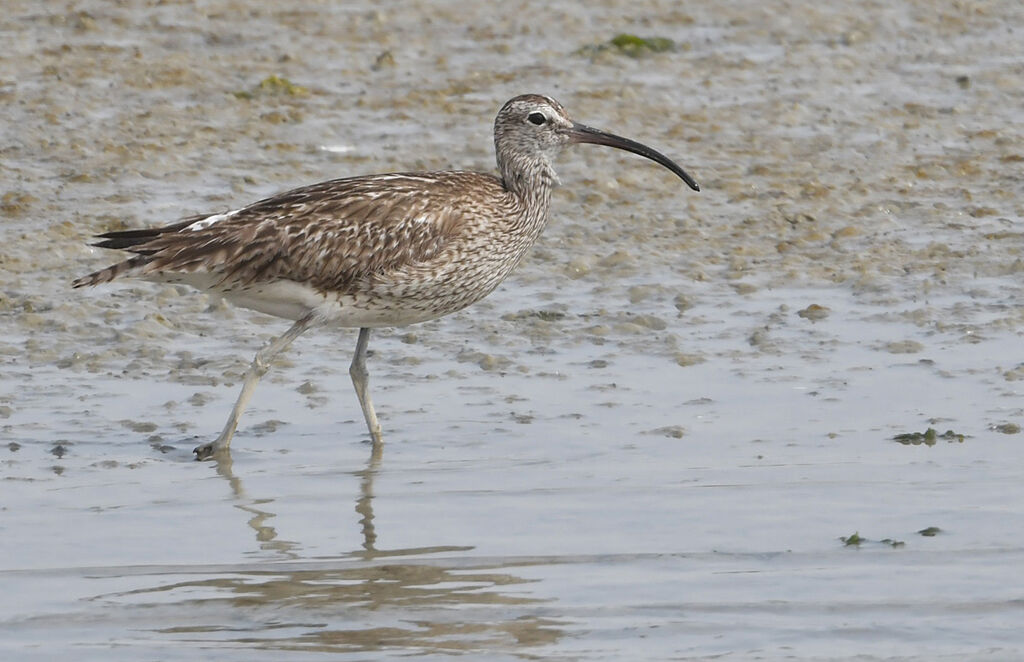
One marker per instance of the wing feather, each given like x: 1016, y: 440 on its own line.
x: 333, y: 234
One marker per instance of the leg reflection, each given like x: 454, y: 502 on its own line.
x: 266, y: 535
x: 364, y: 504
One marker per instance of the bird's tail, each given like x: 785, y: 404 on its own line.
x: 133, y: 241
x: 111, y: 272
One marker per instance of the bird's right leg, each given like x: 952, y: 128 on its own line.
x: 260, y: 364
x: 361, y: 382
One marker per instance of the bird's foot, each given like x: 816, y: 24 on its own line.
x: 205, y: 451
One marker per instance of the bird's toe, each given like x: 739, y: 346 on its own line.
x: 205, y: 451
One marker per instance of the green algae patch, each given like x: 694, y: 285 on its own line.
x: 852, y: 540
x: 630, y: 45
x: 929, y: 437
x: 274, y: 86
x: 549, y: 315
x: 856, y: 540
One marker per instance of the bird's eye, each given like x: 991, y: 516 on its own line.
x: 537, y: 118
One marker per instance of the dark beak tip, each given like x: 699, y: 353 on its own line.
x: 688, y: 180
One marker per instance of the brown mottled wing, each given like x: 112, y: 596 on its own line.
x: 331, y: 234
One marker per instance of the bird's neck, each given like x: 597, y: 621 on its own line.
x: 530, y: 180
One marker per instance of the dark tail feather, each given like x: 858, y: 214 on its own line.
x: 111, y: 272
x: 133, y: 241
x: 126, y: 239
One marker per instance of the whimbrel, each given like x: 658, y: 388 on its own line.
x: 372, y: 251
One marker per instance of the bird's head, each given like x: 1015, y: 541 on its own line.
x: 531, y: 129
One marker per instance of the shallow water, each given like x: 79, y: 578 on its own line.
x: 647, y: 444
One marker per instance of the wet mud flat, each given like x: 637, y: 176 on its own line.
x: 779, y: 418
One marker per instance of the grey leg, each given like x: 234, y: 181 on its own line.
x: 259, y: 367
x: 360, y: 380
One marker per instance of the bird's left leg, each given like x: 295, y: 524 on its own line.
x: 260, y: 364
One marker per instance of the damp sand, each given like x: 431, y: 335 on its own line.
x: 669, y: 435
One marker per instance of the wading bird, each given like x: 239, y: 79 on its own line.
x: 371, y: 251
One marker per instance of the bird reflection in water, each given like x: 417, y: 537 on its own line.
x: 366, y: 600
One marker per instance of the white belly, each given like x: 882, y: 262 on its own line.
x: 292, y: 300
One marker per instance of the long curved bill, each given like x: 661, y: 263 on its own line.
x: 581, y: 133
